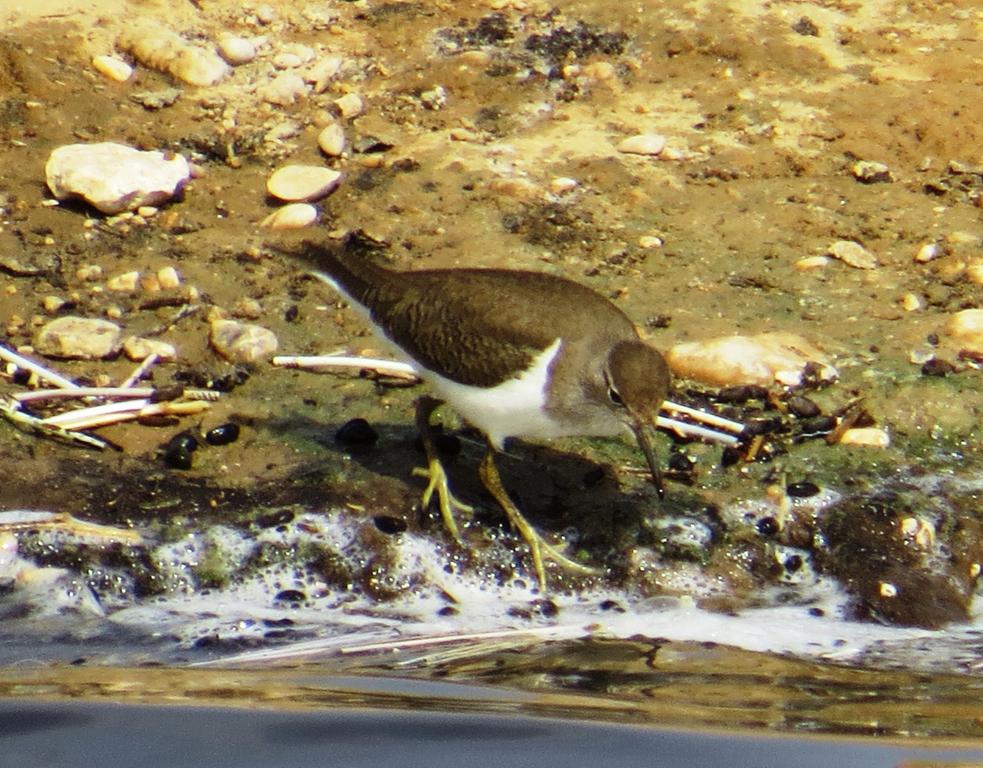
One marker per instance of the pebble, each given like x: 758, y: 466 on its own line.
x: 223, y: 434
x: 323, y: 72
x: 113, y: 68
x: 115, y: 177
x: 331, y: 140
x: 236, y: 50
x: 52, y: 304
x: 247, y: 308
x: 874, y: 437
x: 869, y: 172
x: 126, y: 282
x: 303, y: 183
x: 911, y: 302
x: 852, y: 254
x: 166, y: 51
x: 643, y: 144
x: 168, y: 278
x: 137, y: 348
x: 926, y: 253
x: 285, y: 89
x: 350, y: 105
x: 561, y: 185
x: 80, y: 338
x: 811, y: 262
x: 966, y: 327
x: 764, y: 360
x: 650, y: 241
x: 242, y: 342
x: 293, y: 216
x: 974, y: 272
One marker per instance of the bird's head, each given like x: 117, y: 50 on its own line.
x: 637, y: 380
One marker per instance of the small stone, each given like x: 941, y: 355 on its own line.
x: 241, y: 342
x: 356, y: 432
x: 114, y: 177
x: 852, y: 254
x: 765, y: 359
x: 247, y: 308
x: 147, y: 211
x: 236, y: 50
x: 223, y: 434
x: 137, y: 348
x: 600, y: 71
x: 149, y: 283
x: 52, y: 304
x: 89, y: 273
x: 974, y: 272
x: 874, y: 437
x: 643, y: 144
x: 168, y: 278
x: 331, y: 140
x: 911, y: 302
x: 284, y: 90
x: 811, y: 262
x: 869, y: 172
x: 297, y: 52
x: 81, y: 338
x: 293, y: 216
x: 323, y: 72
x: 926, y: 253
x: 265, y: 14
x: 125, y: 283
x: 350, y: 105
x: 303, y: 183
x: 561, y: 185
x: 937, y: 367
x: 113, y: 68
x: 966, y: 327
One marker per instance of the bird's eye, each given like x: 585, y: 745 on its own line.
x: 615, y: 397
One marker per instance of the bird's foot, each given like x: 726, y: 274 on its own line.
x: 448, y: 503
x: 540, y: 549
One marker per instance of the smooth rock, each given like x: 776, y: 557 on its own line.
x: 168, y: 278
x: 114, y: 177
x: 126, y: 282
x: 811, y: 262
x: 966, y: 327
x: 927, y: 252
x: 303, y: 183
x: 870, y: 172
x: 113, y: 68
x: 236, y: 50
x: 293, y: 216
x: 852, y: 254
x: 765, y: 359
x: 323, y: 72
x: 350, y: 105
x: 161, y: 49
x: 874, y: 437
x: 81, y: 338
x: 284, y: 89
x: 242, y: 342
x: 974, y: 272
x: 138, y: 348
x: 643, y: 144
x: 331, y: 140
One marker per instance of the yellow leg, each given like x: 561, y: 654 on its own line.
x: 538, y: 547
x: 434, y: 470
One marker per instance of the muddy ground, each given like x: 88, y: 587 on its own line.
x: 471, y: 110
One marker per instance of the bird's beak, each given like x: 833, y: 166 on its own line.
x: 638, y: 425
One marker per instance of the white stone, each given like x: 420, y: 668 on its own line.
x: 293, y: 216
x: 643, y: 144
x: 161, y: 49
x: 284, y: 89
x: 331, y: 140
x: 126, y: 282
x: 236, y: 50
x: 83, y: 338
x: 52, y: 304
x: 966, y: 327
x: 138, y: 348
x: 560, y: 185
x: 870, y: 172
x: 168, y: 278
x: 852, y: 254
x: 926, y: 253
x: 242, y: 342
x: 650, y: 241
x: 974, y: 272
x: 113, y: 68
x: 350, y: 105
x: 765, y: 359
x: 811, y: 262
x: 874, y: 437
x: 114, y: 177
x: 323, y: 72
x: 303, y: 183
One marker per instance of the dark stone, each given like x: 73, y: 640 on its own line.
x: 767, y: 526
x: 357, y: 432
x: 178, y: 457
x: 792, y: 563
x: 223, y: 434
x: 802, y: 490
x: 274, y: 519
x: 806, y: 27
x: 290, y: 596
x: 680, y: 462
x: 937, y: 367
x: 803, y: 407
x: 389, y: 525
